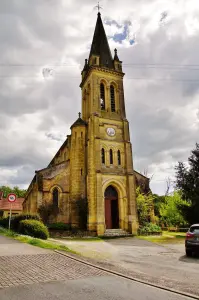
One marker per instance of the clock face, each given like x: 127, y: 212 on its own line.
x: 110, y: 131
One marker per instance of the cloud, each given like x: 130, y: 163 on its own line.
x: 158, y: 44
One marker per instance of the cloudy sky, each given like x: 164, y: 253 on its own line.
x: 43, y: 44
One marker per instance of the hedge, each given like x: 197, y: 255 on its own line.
x: 33, y: 228
x: 59, y: 226
x: 17, y: 219
x: 4, y: 222
x: 149, y: 228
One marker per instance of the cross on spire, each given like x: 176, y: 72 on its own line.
x: 98, y: 7
x: 79, y: 115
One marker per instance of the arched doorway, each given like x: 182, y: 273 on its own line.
x: 111, y: 208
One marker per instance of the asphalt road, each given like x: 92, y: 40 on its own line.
x: 164, y: 265
x: 31, y: 273
x: 99, y: 288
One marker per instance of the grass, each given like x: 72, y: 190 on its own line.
x: 45, y: 244
x: 167, y: 237
x: 79, y: 239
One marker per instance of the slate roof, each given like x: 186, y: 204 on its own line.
x: 79, y: 122
x: 17, y: 205
x: 100, y: 45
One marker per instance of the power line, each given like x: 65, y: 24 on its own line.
x: 79, y: 77
x: 135, y: 65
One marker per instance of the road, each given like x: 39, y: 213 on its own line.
x: 165, y: 265
x: 31, y: 273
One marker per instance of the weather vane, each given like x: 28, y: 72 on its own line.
x: 98, y: 7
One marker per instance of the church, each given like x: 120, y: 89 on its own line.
x: 95, y: 161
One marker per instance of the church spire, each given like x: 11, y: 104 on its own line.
x: 100, y: 47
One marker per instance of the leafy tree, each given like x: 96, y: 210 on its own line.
x: 169, y: 211
x: 145, y: 207
x: 7, y: 190
x: 187, y: 181
x: 158, y: 201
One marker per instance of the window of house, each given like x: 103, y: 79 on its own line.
x: 112, y: 96
x: 119, y: 157
x: 102, y: 96
x: 103, y: 156
x: 55, y: 197
x: 111, y: 156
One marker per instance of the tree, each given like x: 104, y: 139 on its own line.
x: 16, y: 190
x: 145, y: 207
x: 187, y: 181
x: 169, y: 211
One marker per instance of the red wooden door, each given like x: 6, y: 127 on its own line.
x: 108, y: 218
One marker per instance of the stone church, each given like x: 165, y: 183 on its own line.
x: 95, y: 161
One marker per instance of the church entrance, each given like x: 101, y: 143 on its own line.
x: 111, y: 208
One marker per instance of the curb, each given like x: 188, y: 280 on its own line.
x: 129, y: 277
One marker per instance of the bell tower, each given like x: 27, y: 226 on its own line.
x: 109, y: 165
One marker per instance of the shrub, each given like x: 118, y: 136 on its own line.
x: 17, y: 219
x: 46, y: 211
x: 149, y: 228
x: 4, y: 222
x: 59, y: 226
x: 33, y: 228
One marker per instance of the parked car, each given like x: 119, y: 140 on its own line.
x: 192, y: 240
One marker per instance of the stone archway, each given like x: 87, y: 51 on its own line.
x: 111, y: 208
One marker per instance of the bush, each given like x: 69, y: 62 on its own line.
x: 33, y: 228
x: 4, y: 222
x: 59, y: 226
x: 15, y: 222
x: 149, y: 228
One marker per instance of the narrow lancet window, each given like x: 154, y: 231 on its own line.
x: 102, y: 96
x: 112, y: 96
x: 111, y: 156
x: 103, y: 156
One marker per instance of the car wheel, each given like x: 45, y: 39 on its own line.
x: 188, y: 253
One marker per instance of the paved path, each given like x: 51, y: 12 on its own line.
x: 9, y: 246
x: 165, y: 265
x: 37, y: 274
x: 90, y: 288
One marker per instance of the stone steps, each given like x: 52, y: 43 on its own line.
x: 116, y: 232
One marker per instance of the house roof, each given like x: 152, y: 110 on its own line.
x: 17, y: 205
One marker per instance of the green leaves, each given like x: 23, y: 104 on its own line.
x: 7, y: 190
x: 187, y: 181
x: 170, y: 213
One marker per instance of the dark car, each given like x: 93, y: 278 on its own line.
x: 192, y: 240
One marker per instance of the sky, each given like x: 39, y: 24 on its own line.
x: 43, y: 45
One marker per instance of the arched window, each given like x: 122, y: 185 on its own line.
x: 112, y: 96
x: 111, y: 156
x: 55, y: 197
x: 119, y: 157
x: 102, y: 96
x: 103, y: 156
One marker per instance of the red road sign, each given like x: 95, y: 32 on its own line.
x: 12, y: 197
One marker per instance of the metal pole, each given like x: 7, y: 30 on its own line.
x: 10, y: 214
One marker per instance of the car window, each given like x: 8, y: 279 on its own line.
x: 194, y: 229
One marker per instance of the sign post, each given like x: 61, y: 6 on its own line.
x: 11, y: 198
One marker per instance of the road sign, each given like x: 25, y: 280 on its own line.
x: 12, y: 197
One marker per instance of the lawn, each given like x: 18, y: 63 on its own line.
x: 46, y: 244
x: 167, y: 237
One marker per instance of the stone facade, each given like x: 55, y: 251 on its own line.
x: 98, y: 153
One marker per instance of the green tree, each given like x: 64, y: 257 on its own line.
x: 7, y: 190
x: 169, y: 211
x: 187, y: 181
x: 144, y: 207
